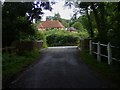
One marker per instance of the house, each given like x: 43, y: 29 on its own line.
x: 50, y: 24
x: 71, y: 29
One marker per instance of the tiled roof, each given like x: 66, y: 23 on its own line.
x: 71, y: 29
x: 50, y: 24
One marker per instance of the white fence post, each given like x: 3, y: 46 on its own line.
x: 90, y: 46
x: 98, y: 52
x: 109, y: 53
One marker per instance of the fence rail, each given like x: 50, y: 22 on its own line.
x: 109, y: 51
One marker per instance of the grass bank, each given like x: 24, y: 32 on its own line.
x: 13, y: 65
x: 109, y: 72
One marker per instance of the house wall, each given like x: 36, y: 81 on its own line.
x: 50, y: 28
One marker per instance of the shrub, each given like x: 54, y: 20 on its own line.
x: 40, y: 35
x: 59, y: 37
x: 56, y: 37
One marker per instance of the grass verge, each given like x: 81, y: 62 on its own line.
x: 13, y: 65
x: 111, y: 73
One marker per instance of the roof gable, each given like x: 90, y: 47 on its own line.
x: 71, y: 29
x: 50, y: 24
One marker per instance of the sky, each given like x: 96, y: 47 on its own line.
x: 65, y: 12
x: 58, y: 7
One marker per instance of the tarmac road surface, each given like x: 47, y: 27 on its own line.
x: 59, y: 67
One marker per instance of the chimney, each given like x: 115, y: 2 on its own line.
x: 47, y: 19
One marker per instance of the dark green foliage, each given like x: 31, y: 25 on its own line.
x: 39, y: 35
x: 12, y: 65
x: 61, y: 38
x: 79, y: 27
x: 16, y: 24
x: 37, y: 11
x: 101, y: 19
x: 55, y: 40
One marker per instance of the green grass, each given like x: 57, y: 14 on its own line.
x: 13, y: 65
x: 109, y: 72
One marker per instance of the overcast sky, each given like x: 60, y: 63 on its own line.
x: 58, y: 7
x: 65, y: 12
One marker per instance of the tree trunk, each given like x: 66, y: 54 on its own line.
x: 90, y: 23
x: 102, y: 10
x: 96, y: 17
x: 100, y: 21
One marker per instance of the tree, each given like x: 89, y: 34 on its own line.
x: 17, y: 18
x: 78, y: 26
x: 37, y: 10
x: 49, y: 18
x: 58, y: 17
x: 103, y: 17
x: 84, y: 6
x: 100, y: 19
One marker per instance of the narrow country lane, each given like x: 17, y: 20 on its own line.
x: 59, y: 67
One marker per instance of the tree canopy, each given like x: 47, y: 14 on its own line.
x: 100, y: 16
x: 17, y: 18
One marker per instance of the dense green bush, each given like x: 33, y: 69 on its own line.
x: 41, y: 36
x: 38, y: 35
x: 59, y: 37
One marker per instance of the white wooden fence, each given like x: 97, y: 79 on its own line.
x: 99, y: 54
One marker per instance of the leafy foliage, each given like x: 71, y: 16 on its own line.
x: 13, y: 65
x: 100, y: 16
x: 101, y: 19
x: 17, y: 18
x: 79, y: 27
x: 56, y: 37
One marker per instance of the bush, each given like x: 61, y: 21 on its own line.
x: 57, y: 37
x: 40, y: 35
